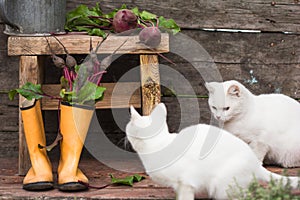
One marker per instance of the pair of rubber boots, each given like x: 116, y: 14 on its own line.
x: 74, y: 124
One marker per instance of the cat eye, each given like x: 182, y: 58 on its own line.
x: 213, y: 107
x: 226, y: 108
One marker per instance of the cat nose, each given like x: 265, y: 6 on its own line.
x: 218, y: 117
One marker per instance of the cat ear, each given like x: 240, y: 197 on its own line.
x: 209, y: 87
x: 134, y: 114
x: 234, y: 90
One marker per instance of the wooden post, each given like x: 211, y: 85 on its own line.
x: 29, y: 71
x: 150, y: 82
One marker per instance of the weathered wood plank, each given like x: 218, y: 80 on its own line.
x: 80, y: 44
x: 283, y: 15
x: 29, y: 72
x: 183, y: 112
x: 150, y: 82
x: 224, y: 47
x: 119, y: 99
x: 272, y: 58
x: 272, y: 78
x: 8, y: 114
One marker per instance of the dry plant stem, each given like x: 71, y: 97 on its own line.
x: 70, y: 60
x: 66, y: 51
x: 58, y: 61
x: 167, y: 59
x: 48, y: 43
x: 100, y: 43
x: 106, y: 62
x: 58, y: 136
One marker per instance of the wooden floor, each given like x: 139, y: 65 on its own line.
x: 11, y: 184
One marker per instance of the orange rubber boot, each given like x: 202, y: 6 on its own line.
x: 74, y: 125
x: 39, y: 176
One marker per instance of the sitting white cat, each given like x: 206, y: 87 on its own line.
x: 201, y: 158
x: 269, y: 123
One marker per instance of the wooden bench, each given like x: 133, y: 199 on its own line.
x: 32, y: 52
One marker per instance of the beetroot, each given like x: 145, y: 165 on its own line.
x: 124, y: 20
x: 150, y: 36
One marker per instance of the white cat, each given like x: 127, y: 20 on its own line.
x: 201, y: 158
x: 269, y: 123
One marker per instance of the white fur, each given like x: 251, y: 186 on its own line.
x: 269, y: 123
x: 186, y: 172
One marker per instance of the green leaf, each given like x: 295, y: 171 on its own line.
x: 67, y: 96
x: 97, y: 9
x: 80, y: 16
x: 99, y: 92
x: 31, y: 91
x: 128, y: 180
x: 138, y: 178
x: 64, y: 82
x: 89, y: 92
x: 123, y: 6
x: 12, y: 94
x: 136, y: 11
x: 169, y: 24
x: 77, y: 68
x: 145, y: 15
x: 84, y: 21
x: 97, y: 32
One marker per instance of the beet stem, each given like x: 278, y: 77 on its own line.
x: 68, y: 77
x: 97, y: 26
x: 167, y: 59
x: 94, y: 187
x: 164, y: 57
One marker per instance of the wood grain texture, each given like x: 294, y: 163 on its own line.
x: 229, y: 14
x: 150, y: 82
x: 257, y: 48
x: 273, y: 59
x: 80, y: 44
x: 111, y: 98
x: 29, y: 72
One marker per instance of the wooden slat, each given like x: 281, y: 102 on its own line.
x: 282, y: 15
x: 269, y: 48
x: 150, y: 82
x: 29, y: 72
x: 120, y: 99
x: 80, y: 44
x: 272, y: 57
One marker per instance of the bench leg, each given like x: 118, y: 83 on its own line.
x: 150, y: 82
x: 29, y: 71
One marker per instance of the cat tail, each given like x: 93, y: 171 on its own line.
x: 292, y: 180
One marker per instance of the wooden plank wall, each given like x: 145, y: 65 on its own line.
x: 270, y: 49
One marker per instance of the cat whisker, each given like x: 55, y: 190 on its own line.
x: 126, y: 145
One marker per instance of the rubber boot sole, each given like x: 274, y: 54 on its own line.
x: 38, y: 186
x: 72, y: 186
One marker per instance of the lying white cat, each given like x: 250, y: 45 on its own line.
x: 201, y: 158
x: 269, y: 123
